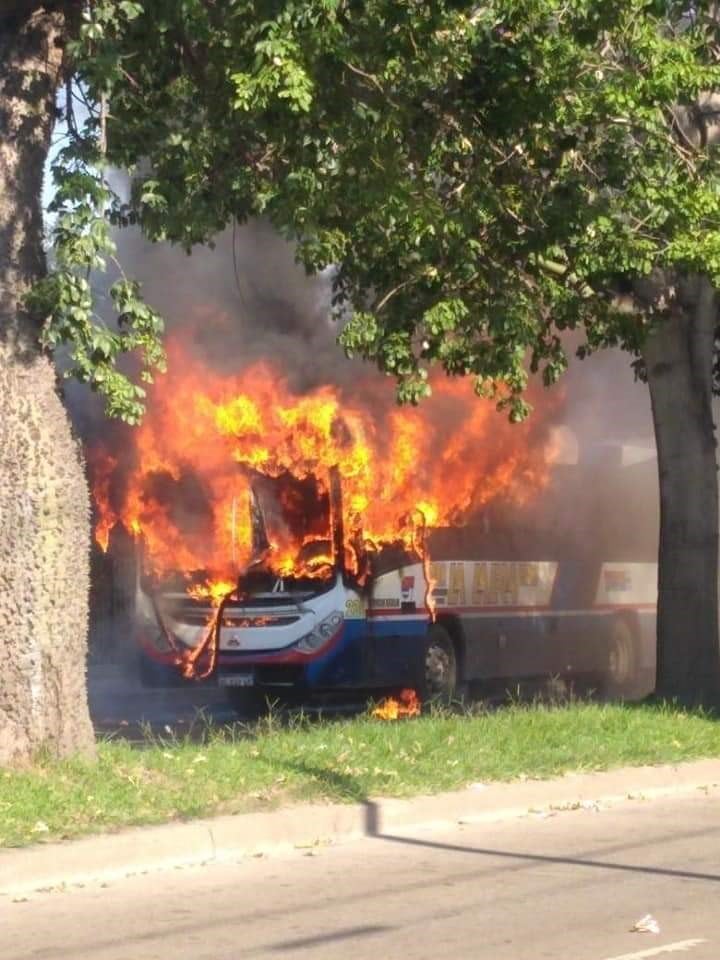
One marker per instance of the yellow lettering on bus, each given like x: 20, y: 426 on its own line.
x: 529, y: 575
x: 503, y: 582
x: 354, y: 607
x: 438, y: 574
x: 479, y: 584
x: 456, y: 586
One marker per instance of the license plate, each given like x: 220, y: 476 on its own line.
x: 236, y: 679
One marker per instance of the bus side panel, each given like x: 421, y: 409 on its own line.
x: 387, y: 652
x: 579, y: 648
x: 549, y: 644
x: 531, y: 645
x: 398, y: 646
x: 397, y: 627
x: 504, y: 609
x: 346, y: 664
x: 482, y: 646
x: 512, y: 645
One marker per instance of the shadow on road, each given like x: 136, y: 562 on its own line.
x: 537, y: 858
x: 346, y: 787
x: 350, y: 933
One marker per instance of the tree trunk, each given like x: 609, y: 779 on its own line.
x: 679, y: 358
x: 44, y: 508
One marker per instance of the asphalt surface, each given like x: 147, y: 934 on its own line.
x: 568, y: 886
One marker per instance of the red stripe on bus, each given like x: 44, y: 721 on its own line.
x: 537, y: 608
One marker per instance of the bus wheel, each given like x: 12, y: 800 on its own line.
x: 441, y: 666
x: 621, y: 661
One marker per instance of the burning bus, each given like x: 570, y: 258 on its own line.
x: 436, y: 613
x: 331, y: 541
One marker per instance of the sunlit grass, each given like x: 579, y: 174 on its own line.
x: 240, y: 768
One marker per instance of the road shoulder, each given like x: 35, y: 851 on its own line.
x: 108, y: 857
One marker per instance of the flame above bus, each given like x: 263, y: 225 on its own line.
x: 184, y: 479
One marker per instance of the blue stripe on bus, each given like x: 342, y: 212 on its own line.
x: 347, y: 662
x: 355, y: 659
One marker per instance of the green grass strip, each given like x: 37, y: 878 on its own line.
x: 238, y: 769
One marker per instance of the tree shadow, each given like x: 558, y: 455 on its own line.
x: 540, y: 859
x: 345, y: 787
x: 654, y: 703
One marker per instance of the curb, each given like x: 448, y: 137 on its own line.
x: 169, y: 846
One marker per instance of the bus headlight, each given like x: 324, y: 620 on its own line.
x: 321, y: 633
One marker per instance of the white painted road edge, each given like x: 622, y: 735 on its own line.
x: 143, y: 849
x: 680, y: 946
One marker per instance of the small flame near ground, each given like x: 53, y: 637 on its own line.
x: 407, y: 704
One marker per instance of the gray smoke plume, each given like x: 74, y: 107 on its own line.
x: 246, y: 299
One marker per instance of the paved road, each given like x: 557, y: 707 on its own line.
x: 566, y: 887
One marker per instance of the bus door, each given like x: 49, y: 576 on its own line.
x: 502, y: 607
x: 396, y: 628
x: 573, y: 629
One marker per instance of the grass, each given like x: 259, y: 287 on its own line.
x: 238, y: 769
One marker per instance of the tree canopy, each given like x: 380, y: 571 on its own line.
x: 480, y: 175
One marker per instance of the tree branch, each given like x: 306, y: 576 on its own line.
x: 367, y: 76
x: 395, y: 290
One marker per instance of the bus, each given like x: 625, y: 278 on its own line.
x: 563, y: 586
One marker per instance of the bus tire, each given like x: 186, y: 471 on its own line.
x: 441, y: 680
x: 620, y: 673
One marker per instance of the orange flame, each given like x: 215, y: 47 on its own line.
x: 407, y: 705
x: 188, y: 471
x: 212, y: 590
x: 102, y: 465
x: 190, y: 662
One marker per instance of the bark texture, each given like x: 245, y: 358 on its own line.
x: 679, y: 360
x: 44, y: 506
